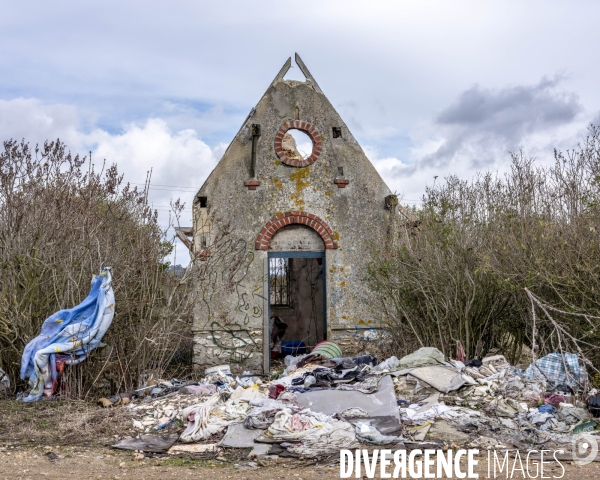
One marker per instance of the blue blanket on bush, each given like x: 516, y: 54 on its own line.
x: 67, y: 337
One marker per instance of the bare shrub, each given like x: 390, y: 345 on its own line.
x: 462, y: 274
x: 60, y: 222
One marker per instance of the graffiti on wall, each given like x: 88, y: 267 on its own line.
x: 231, y: 299
x: 235, y: 341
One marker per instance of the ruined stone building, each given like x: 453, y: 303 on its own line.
x: 282, y: 226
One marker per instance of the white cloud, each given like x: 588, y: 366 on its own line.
x: 36, y: 121
x: 475, y: 133
x: 179, y: 159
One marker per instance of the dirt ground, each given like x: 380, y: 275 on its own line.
x: 104, y: 463
x: 66, y: 439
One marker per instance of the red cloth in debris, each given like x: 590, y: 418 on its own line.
x: 59, y: 368
x: 461, y: 356
x: 553, y: 399
x: 299, y: 423
x: 275, y: 390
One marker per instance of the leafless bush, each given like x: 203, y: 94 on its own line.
x: 462, y: 274
x: 60, y: 222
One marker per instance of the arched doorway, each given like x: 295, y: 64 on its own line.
x: 296, y: 244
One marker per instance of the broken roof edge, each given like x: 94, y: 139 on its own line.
x: 282, y: 71
x: 306, y: 73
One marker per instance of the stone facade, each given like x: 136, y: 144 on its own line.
x: 264, y: 197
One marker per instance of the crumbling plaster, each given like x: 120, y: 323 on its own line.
x: 236, y: 310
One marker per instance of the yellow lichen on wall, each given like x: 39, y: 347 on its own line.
x: 299, y: 177
x: 298, y: 201
x: 277, y: 183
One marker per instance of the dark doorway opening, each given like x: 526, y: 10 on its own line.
x: 297, y: 296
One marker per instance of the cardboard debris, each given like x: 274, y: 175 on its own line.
x: 193, y: 448
x: 442, y: 378
x: 238, y: 436
x: 381, y: 403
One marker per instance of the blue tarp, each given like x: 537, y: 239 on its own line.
x: 67, y: 337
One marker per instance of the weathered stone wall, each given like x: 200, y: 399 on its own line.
x: 339, y: 185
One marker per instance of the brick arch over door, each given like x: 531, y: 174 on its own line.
x: 300, y: 218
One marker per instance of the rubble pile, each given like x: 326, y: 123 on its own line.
x: 162, y: 411
x: 321, y: 405
x: 497, y: 401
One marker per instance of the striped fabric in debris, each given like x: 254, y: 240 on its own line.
x: 327, y: 349
x: 558, y: 369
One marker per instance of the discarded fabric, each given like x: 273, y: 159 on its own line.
x: 327, y: 349
x: 594, y: 405
x: 546, y: 409
x: 423, y: 356
x: 473, y: 363
x: 201, y: 424
x: 585, y: 427
x: 556, y: 368
x: 313, y: 433
x: 293, y: 347
x: 67, y: 337
x: 199, y: 389
x: 329, y: 404
x: 371, y: 436
x: 118, y: 399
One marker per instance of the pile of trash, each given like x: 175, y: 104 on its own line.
x: 492, y: 398
x: 320, y: 405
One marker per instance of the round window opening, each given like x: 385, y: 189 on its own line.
x: 297, y: 145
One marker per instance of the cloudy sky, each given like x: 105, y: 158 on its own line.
x: 429, y: 88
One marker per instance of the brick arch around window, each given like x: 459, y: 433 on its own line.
x: 300, y: 218
x: 307, y: 128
